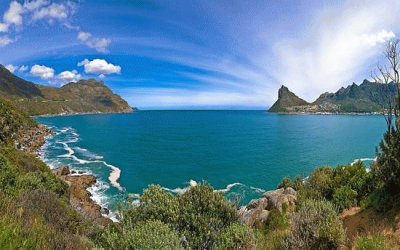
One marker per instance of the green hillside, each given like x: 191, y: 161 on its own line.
x: 85, y: 96
x: 364, y: 98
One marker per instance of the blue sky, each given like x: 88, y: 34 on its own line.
x: 196, y: 54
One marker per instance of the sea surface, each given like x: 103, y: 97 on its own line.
x: 242, y: 153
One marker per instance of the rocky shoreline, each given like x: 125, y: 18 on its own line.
x: 31, y: 140
x: 80, y: 198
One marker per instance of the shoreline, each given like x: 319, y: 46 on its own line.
x: 328, y: 113
x: 79, y: 182
x: 84, y: 113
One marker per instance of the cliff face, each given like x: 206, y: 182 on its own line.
x: 364, y: 98
x: 85, y: 96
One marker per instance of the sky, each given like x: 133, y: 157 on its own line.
x: 198, y: 54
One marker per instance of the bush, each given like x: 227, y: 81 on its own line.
x: 372, y: 242
x: 386, y: 170
x: 277, y: 220
x: 296, y: 183
x: 203, y: 214
x: 200, y: 214
x: 155, y: 204
x: 344, y: 197
x: 316, y: 226
x: 145, y: 235
x: 379, y: 200
x: 344, y: 185
x: 236, y: 236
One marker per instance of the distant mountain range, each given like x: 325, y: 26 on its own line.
x: 85, y: 96
x: 367, y: 97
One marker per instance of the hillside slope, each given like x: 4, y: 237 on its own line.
x: 85, y: 96
x: 364, y: 98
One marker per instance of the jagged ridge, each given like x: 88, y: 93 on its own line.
x: 364, y: 98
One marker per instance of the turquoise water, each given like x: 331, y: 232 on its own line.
x: 240, y: 152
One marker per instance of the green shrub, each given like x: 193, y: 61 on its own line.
x: 371, y: 242
x: 12, y: 236
x: 379, y: 200
x: 155, y: 204
x: 386, y: 170
x: 236, y: 236
x: 296, y: 183
x: 203, y: 214
x: 199, y: 215
x: 277, y: 220
x: 316, y: 226
x: 321, y: 184
x: 145, y: 235
x: 344, y: 197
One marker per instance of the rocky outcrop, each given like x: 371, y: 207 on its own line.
x: 256, y: 213
x: 80, y: 197
x: 286, y: 99
x: 32, y: 139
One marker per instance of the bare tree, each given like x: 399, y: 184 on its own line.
x: 390, y: 74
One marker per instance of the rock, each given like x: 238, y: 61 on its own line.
x: 32, y: 140
x: 290, y: 191
x: 62, y: 171
x: 255, y: 203
x: 256, y: 213
x: 104, y: 210
x: 255, y: 217
x: 277, y: 198
x: 80, y: 198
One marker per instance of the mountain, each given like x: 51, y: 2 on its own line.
x: 85, y: 96
x: 286, y: 100
x: 364, y: 98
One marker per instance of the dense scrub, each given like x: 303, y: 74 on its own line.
x: 202, y: 218
x: 12, y: 122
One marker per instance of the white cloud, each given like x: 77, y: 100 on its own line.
x: 23, y: 68
x: 5, y: 40
x: 14, y: 14
x: 99, y: 44
x: 84, y: 36
x: 35, y: 4
x: 378, y: 37
x: 3, y: 27
x: 11, y: 68
x: 53, y: 12
x: 343, y: 45
x: 42, y: 72
x: 99, y: 67
x: 69, y: 76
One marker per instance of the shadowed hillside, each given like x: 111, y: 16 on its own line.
x: 85, y: 96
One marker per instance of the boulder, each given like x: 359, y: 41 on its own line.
x: 277, y: 198
x: 256, y: 213
x: 62, y: 171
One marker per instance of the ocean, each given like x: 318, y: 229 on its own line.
x: 242, y: 153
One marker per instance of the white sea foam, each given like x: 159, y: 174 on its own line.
x: 362, y: 160
x: 229, y: 187
x: 258, y: 190
x: 70, y: 136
